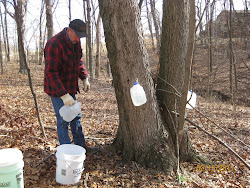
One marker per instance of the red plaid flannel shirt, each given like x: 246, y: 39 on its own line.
x: 63, y: 66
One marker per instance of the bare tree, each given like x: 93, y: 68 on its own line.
x: 199, y: 15
x: 5, y: 34
x: 1, y: 56
x: 210, y: 38
x: 49, y: 19
x: 89, y: 41
x: 1, y: 53
x: 140, y: 4
x: 98, y: 46
x: 18, y: 5
x: 246, y: 20
x: 41, y: 39
x: 210, y: 13
x: 232, y: 69
x: 173, y: 81
x: 144, y: 135
x: 20, y: 8
x: 155, y: 21
x: 87, y: 49
x: 69, y: 10
x: 149, y: 19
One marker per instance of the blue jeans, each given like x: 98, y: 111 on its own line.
x: 62, y: 126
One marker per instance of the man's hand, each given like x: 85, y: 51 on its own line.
x: 68, y: 100
x: 86, y: 85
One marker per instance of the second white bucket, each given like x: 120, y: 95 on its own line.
x: 11, y: 168
x: 69, y: 163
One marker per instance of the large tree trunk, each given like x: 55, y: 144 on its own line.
x: 175, y: 63
x: 141, y: 135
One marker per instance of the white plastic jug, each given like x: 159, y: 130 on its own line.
x: 11, y: 168
x: 68, y: 113
x: 69, y: 163
x: 138, y: 94
x: 192, y: 101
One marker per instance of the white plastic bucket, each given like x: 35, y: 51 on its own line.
x: 191, y: 101
x: 11, y: 168
x: 69, y: 163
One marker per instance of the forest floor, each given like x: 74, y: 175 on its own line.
x: 19, y: 128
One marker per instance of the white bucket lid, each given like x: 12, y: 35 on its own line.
x: 10, y: 156
x: 70, y: 152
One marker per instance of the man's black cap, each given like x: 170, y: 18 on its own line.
x: 79, y: 27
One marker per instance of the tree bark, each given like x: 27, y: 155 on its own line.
x: 209, y: 51
x: 231, y: 55
x: 40, y: 54
x: 21, y: 51
x: 141, y: 135
x: 49, y: 19
x: 246, y: 20
x: 233, y: 82
x: 89, y: 41
x: 108, y: 69
x: 157, y: 29
x: 20, y: 12
x: 98, y: 47
x: 186, y: 151
x: 7, y: 46
x: 87, y: 38
x: 3, y: 42
x: 1, y: 56
x: 140, y: 4
x: 69, y: 10
x: 175, y: 62
x: 150, y: 25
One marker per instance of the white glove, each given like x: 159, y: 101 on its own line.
x: 68, y: 100
x: 86, y: 85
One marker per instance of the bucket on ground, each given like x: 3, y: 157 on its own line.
x: 69, y: 163
x: 11, y: 168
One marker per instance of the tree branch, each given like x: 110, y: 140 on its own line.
x: 140, y: 4
x: 219, y: 140
x: 171, y: 86
x: 203, y: 15
x: 220, y: 127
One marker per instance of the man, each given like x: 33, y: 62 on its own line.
x: 63, y: 67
